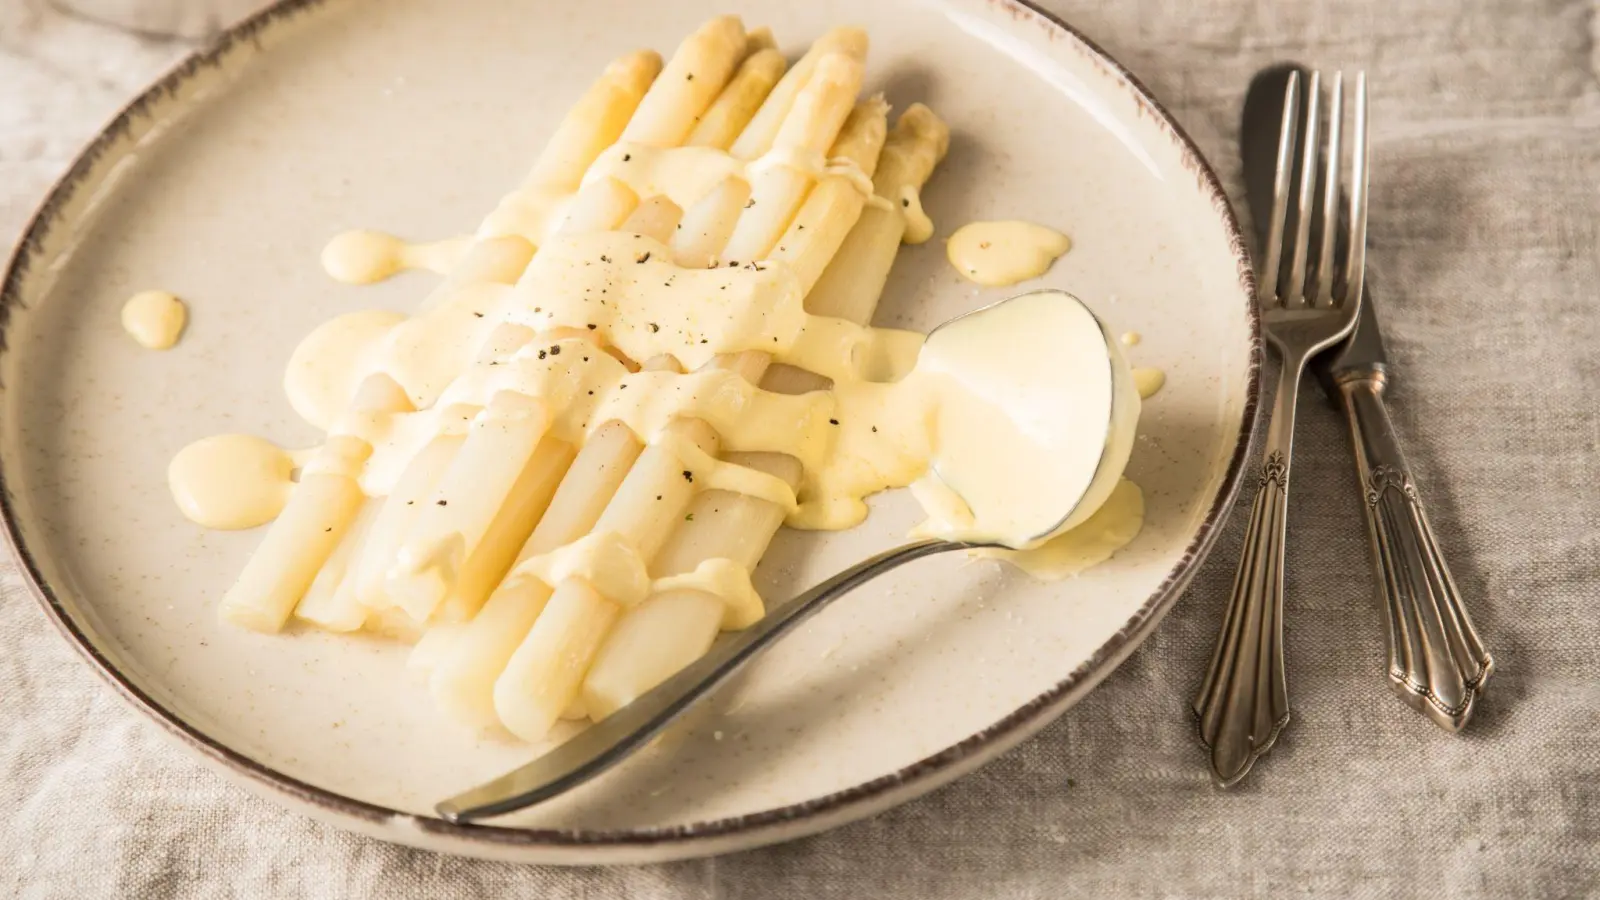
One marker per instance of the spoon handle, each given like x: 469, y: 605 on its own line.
x: 608, y: 742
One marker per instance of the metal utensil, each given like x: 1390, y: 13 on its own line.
x: 608, y: 742
x: 1436, y: 662
x: 1244, y: 702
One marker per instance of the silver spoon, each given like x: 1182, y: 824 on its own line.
x: 608, y: 742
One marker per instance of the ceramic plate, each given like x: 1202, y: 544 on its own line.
x: 222, y: 183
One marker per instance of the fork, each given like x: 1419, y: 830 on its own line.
x: 1244, y: 702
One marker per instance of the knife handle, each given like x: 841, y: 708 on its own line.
x: 1437, y: 663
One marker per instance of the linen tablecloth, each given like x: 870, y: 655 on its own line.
x: 1484, y: 204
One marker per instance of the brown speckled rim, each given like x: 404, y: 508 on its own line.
x: 701, y: 838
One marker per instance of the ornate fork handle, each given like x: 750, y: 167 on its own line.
x: 1244, y: 702
x: 1437, y: 663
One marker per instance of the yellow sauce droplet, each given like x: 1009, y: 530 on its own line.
x: 365, y: 257
x: 231, y: 481
x: 996, y: 254
x: 1113, y: 526
x: 1148, y: 381
x: 1131, y: 339
x: 918, y: 226
x: 154, y: 319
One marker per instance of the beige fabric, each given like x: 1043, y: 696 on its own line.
x: 1484, y: 255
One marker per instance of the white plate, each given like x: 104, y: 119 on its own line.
x: 223, y: 182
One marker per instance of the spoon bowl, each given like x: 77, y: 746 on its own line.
x: 1064, y: 379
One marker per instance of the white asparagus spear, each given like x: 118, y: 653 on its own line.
x: 447, y: 531
x: 757, y: 137
x: 519, y: 513
x: 708, y: 224
x: 312, y: 523
x: 542, y: 678
x: 545, y: 672
x: 463, y: 679
x: 656, y: 218
x: 595, y: 122
x: 776, y: 191
x: 734, y: 108
x: 394, y: 520
x: 834, y: 205
x: 689, y: 83
x: 855, y: 278
x: 673, y: 628
x: 758, y: 39
x: 599, y: 206
x: 330, y: 603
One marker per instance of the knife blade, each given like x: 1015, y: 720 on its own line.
x: 1363, y: 353
x: 1437, y: 663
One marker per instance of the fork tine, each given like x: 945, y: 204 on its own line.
x: 1355, y: 268
x: 1332, y: 166
x: 1280, y: 190
x: 1294, y: 294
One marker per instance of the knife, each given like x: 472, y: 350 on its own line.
x: 1437, y: 664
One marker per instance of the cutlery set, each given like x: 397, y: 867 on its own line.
x: 1311, y: 220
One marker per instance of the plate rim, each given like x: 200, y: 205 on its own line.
x: 660, y: 842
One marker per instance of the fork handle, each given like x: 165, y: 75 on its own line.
x: 1244, y: 702
x: 1437, y: 663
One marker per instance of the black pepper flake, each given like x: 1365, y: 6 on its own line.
x: 542, y: 354
x: 691, y: 77
x: 688, y: 517
x: 800, y: 228
x: 538, y: 309
x: 593, y: 326
x: 654, y: 328
x: 658, y: 496
x: 688, y: 476
x: 411, y: 503
x: 704, y: 341
x: 478, y: 314
x: 733, y: 263
x: 555, y: 350
x: 874, y: 429
x: 605, y: 258
x: 328, y: 529
x: 591, y: 393
x: 833, y: 421
x: 643, y: 258
x: 586, y: 359
x: 444, y: 502
x: 906, y: 202
x: 627, y: 156
x: 751, y: 203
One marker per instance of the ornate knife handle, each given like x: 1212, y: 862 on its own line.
x: 1437, y: 663
x: 1244, y: 702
